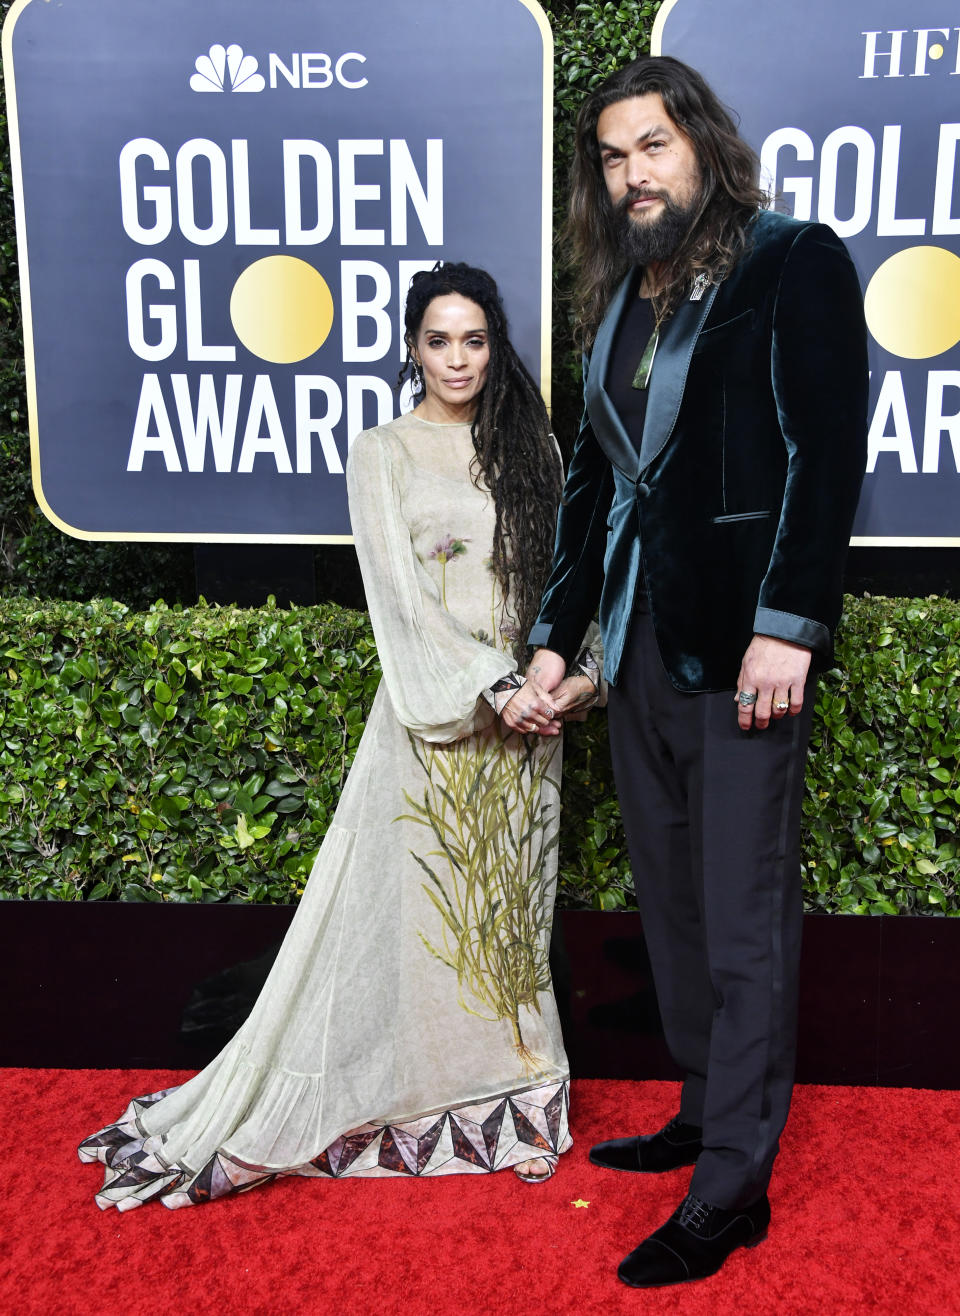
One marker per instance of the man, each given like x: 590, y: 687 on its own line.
x: 707, y: 510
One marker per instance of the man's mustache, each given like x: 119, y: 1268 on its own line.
x: 638, y: 194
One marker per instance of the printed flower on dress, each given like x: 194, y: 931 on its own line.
x: 448, y: 548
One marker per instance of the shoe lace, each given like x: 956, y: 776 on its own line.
x: 693, y: 1212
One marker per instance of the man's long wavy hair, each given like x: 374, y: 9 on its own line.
x: 516, y: 456
x: 729, y: 198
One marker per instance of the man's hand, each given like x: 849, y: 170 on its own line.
x: 776, y: 671
x: 547, y: 669
x: 574, y: 696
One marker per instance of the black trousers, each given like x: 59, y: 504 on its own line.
x: 712, y: 818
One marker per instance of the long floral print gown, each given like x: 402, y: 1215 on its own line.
x: 409, y: 1024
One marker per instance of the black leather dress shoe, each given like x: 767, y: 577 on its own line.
x: 694, y: 1243
x: 676, y: 1144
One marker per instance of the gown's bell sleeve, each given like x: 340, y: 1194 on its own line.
x: 434, y: 669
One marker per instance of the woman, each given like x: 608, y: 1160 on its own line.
x: 408, y: 1025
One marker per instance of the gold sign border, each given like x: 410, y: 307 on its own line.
x: 157, y: 537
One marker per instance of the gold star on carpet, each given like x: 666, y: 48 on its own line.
x: 579, y: 1202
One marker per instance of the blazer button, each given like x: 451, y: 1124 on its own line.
x: 643, y: 490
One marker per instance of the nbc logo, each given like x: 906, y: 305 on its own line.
x: 221, y: 63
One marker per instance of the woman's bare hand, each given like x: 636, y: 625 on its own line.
x: 531, y: 709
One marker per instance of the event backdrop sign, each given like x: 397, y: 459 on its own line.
x: 854, y: 109
x: 220, y: 206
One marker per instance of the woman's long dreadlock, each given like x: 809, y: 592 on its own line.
x: 516, y: 455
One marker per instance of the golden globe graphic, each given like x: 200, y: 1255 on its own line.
x: 220, y: 208
x: 281, y: 309
x: 912, y: 302
x: 852, y: 109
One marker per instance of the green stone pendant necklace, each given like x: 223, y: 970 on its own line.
x: 642, y: 378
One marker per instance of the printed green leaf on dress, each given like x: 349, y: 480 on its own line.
x: 488, y: 878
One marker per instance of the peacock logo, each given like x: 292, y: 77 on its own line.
x: 226, y: 68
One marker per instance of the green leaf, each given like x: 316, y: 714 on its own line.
x: 148, y: 732
x: 880, y: 805
x: 243, y: 835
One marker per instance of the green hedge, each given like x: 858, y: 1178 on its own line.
x: 198, y: 754
x: 883, y: 783
x: 183, y: 755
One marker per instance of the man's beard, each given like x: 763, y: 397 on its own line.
x: 644, y: 241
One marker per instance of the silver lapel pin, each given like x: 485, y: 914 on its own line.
x: 700, y: 285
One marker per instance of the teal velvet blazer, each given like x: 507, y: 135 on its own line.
x: 737, y: 501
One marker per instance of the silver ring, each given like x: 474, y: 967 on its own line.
x: 782, y: 705
x: 747, y: 698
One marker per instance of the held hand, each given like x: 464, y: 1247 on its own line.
x: 546, y: 668
x: 573, y: 696
x: 531, y: 709
x: 776, y: 672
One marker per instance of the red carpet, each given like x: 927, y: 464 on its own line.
x: 866, y: 1218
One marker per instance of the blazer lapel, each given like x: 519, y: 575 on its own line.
x: 668, y: 380
x: 604, y: 420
